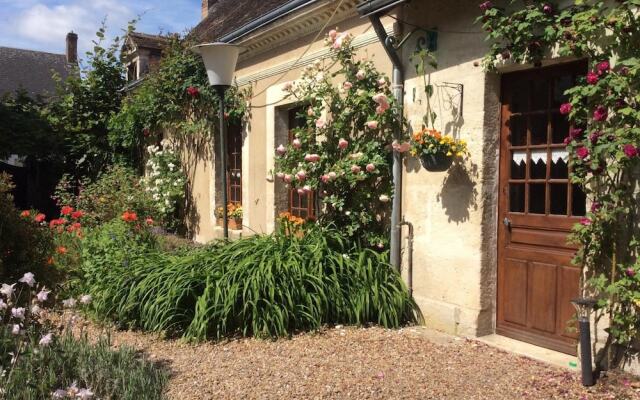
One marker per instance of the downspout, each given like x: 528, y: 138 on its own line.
x: 397, y: 87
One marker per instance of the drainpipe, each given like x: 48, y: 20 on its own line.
x: 397, y: 86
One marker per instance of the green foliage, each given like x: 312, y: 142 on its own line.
x: 343, y: 150
x: 604, y: 141
x: 23, y: 244
x: 265, y: 286
x: 115, y: 190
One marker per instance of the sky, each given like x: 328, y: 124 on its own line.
x: 43, y: 24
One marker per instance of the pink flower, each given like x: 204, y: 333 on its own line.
x: 595, y: 207
x: 312, y: 158
x: 485, y: 6
x: 337, y: 44
x: 630, y: 272
x: 347, y: 85
x: 372, y: 124
x: 333, y: 34
x: 582, y: 152
x: 603, y: 67
x: 370, y: 167
x: 301, y: 191
x: 360, y: 74
x: 281, y: 150
x: 343, y: 144
x: 575, y: 133
x: 592, y: 78
x: 325, y: 178
x: 46, y: 339
x: 565, y: 108
x: 15, y: 330
x: 600, y: 113
x: 585, y: 221
x: 287, y: 178
x: 381, y: 109
x: 400, y: 147
x: 306, y: 188
x: 321, y: 123
x: 547, y: 9
x: 280, y: 175
x: 296, y: 143
x: 310, y: 112
x: 381, y: 82
x: 301, y: 175
x: 28, y: 279
x: 630, y: 150
x: 287, y: 86
x: 380, y: 98
x: 355, y: 169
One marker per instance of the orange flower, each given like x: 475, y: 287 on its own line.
x: 40, y: 217
x: 50, y: 261
x: 66, y: 210
x: 129, y: 216
x: 149, y: 221
x: 25, y: 213
x: 61, y: 250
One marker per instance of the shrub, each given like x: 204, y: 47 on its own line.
x: 116, y: 190
x: 23, y: 244
x: 265, y: 286
x: 38, y: 361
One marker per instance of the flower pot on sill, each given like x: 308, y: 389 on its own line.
x: 438, y: 162
x: 234, y: 223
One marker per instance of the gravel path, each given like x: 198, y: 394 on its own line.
x: 372, y: 363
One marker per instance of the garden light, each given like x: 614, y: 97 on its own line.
x: 220, y: 62
x: 584, y: 306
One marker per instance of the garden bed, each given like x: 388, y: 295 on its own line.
x: 364, y: 363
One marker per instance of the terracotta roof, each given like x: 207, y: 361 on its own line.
x: 226, y: 16
x: 148, y: 41
x: 30, y: 70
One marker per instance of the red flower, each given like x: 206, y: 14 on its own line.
x: 149, y: 221
x: 603, y: 67
x: 40, y: 217
x: 575, y: 133
x: 582, y: 152
x: 595, y: 207
x: 129, y: 216
x: 25, y: 213
x: 565, y: 108
x: 630, y: 272
x: 630, y: 150
x: 547, y: 9
x: 193, y: 91
x: 55, y: 222
x: 61, y: 250
x: 66, y: 210
x: 585, y: 221
x: 77, y: 214
x: 486, y: 5
x: 592, y: 78
x: 600, y: 113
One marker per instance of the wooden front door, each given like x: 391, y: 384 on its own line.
x: 537, y: 208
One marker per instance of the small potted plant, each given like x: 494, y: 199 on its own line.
x: 234, y: 214
x: 437, y: 151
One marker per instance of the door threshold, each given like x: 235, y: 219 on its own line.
x: 532, y: 351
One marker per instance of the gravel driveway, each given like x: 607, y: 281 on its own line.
x: 371, y: 363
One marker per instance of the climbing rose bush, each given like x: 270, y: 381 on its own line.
x: 604, y: 110
x: 343, y: 152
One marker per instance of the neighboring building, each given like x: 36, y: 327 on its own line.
x: 490, y: 254
x: 142, y: 53
x: 33, y: 71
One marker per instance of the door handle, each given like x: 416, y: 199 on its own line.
x: 507, y: 222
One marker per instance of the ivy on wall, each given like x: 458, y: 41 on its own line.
x: 604, y: 110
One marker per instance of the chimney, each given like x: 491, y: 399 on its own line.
x: 72, y: 48
x: 206, y: 4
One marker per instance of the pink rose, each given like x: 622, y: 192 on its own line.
x: 296, y: 143
x: 630, y: 150
x: 337, y: 44
x: 321, y: 123
x: 582, y: 152
x: 565, y: 108
x: 603, y: 67
x: 585, y: 221
x: 372, y: 124
x: 575, y: 133
x: 287, y: 178
x: 360, y: 75
x: 401, y: 147
x: 592, y: 78
x: 280, y: 175
x: 342, y: 144
x: 600, y: 114
x: 310, y: 112
x: 333, y: 34
x: 547, y: 9
x: 347, y: 85
x: 281, y: 150
x: 301, y: 191
x: 630, y: 272
x: 595, y: 207
x: 355, y: 169
x: 306, y: 188
x: 312, y: 158
x: 380, y: 98
x: 325, y: 178
x: 370, y: 167
x: 382, y: 82
x: 301, y: 175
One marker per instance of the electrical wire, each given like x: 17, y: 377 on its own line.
x: 324, y: 27
x: 432, y: 29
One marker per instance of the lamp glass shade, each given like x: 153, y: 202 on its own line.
x: 220, y: 61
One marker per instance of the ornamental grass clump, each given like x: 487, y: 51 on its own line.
x: 263, y: 286
x: 42, y: 360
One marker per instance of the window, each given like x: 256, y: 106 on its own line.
x: 234, y: 164
x: 300, y: 205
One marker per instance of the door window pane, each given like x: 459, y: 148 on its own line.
x: 518, y: 130
x: 559, y: 168
x: 518, y: 164
x: 579, y: 201
x: 559, y: 127
x: 540, y: 95
x: 519, y: 96
x: 558, y: 199
x: 537, y: 192
x: 538, y: 129
x: 538, y: 164
x: 561, y: 84
x: 516, y: 197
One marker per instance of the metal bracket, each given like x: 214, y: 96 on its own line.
x: 428, y: 40
x: 458, y: 87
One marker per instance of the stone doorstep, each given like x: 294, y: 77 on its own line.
x: 534, y: 352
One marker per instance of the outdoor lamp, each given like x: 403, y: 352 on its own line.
x: 584, y: 306
x: 220, y: 61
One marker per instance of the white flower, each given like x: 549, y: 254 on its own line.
x: 35, y: 309
x: 59, y: 394
x: 46, y: 339
x: 7, y: 290
x: 176, y: 183
x: 156, y: 196
x: 15, y: 329
x: 18, y: 313
x: 384, y: 198
x: 84, y: 394
x: 159, y: 181
x: 85, y: 299
x: 171, y: 166
x: 167, y: 202
x: 28, y: 278
x: 43, y: 295
x: 69, y: 303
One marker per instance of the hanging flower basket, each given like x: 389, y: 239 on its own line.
x: 437, y: 162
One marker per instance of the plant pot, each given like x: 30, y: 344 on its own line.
x: 234, y: 223
x: 438, y: 162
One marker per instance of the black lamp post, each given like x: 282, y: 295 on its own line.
x: 584, y: 306
x: 220, y: 61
